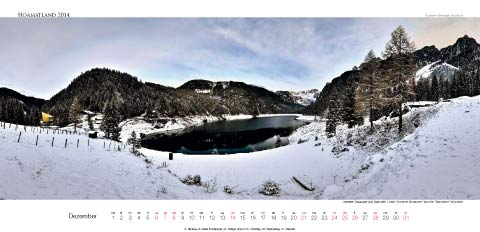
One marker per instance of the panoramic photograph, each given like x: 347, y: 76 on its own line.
x: 240, y: 108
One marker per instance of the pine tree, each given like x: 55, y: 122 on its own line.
x: 90, y: 122
x: 399, y: 52
x: 255, y: 111
x: 333, y: 114
x: 461, y: 89
x: 477, y: 86
x: 453, y: 87
x: 347, y: 100
x: 111, y: 119
x: 133, y: 140
x: 434, y: 89
x: 74, y: 112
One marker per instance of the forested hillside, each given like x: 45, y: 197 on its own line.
x: 19, y: 109
x: 95, y: 88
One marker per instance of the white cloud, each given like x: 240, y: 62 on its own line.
x: 43, y: 56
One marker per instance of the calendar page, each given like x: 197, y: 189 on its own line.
x: 247, y: 215
x: 246, y: 115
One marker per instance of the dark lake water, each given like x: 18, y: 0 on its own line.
x: 227, y: 137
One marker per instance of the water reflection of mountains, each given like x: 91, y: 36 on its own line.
x: 224, y: 142
x: 227, y: 137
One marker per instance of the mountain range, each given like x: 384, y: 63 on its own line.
x: 95, y: 87
x: 18, y: 108
x: 303, y: 98
x: 29, y: 101
x: 463, y: 55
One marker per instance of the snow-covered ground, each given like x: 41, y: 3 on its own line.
x: 437, y: 159
x: 440, y: 160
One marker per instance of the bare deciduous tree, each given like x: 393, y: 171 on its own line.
x: 401, y: 70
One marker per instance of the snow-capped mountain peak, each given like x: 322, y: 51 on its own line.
x: 304, y: 98
x: 437, y: 68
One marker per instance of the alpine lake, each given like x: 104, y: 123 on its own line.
x: 227, y: 136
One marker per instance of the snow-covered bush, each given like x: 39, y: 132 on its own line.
x: 148, y: 161
x: 192, y: 180
x: 270, y: 188
x: 300, y: 141
x: 163, y: 190
x: 197, y: 179
x: 336, y: 150
x: 364, y: 167
x: 210, y: 186
x: 229, y: 190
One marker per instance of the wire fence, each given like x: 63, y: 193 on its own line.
x: 60, y: 138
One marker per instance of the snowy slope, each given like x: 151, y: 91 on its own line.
x: 439, y: 159
x: 88, y: 172
x: 441, y: 70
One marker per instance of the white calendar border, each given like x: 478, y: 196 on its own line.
x: 40, y: 215
x: 37, y: 215
x: 243, y: 8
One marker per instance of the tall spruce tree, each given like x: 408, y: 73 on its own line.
x: 434, y: 89
x: 90, y: 122
x: 453, y: 87
x: 111, y: 119
x: 399, y: 52
x: 477, y: 81
x: 333, y: 114
x: 133, y: 140
x: 347, y: 99
x: 74, y: 112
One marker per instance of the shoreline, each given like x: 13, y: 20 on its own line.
x: 140, y: 126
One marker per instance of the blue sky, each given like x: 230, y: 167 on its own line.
x: 41, y: 56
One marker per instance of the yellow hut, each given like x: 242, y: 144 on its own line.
x: 46, y: 118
